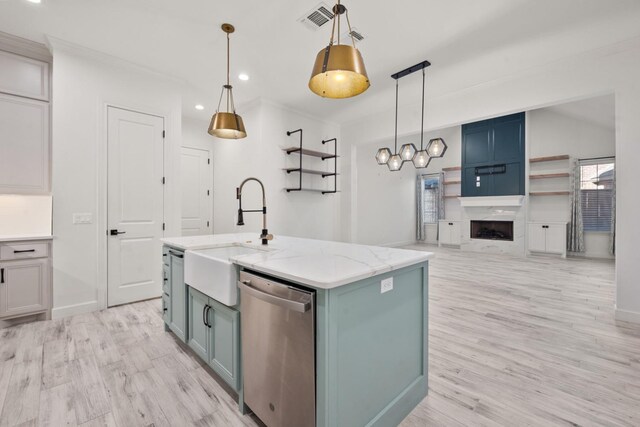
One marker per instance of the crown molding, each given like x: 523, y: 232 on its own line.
x: 24, y: 47
x: 60, y: 45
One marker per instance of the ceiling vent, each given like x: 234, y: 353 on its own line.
x: 345, y: 38
x: 317, y: 17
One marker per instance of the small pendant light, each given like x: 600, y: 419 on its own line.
x: 227, y: 124
x: 395, y: 161
x: 339, y: 69
x: 421, y: 159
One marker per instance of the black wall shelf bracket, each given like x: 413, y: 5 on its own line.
x: 335, y: 165
x: 289, y: 133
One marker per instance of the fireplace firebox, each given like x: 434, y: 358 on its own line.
x: 492, y: 230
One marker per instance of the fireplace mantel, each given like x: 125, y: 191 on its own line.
x: 490, y: 201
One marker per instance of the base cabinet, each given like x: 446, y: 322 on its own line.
x: 449, y: 232
x: 25, y: 279
x: 548, y: 237
x: 214, y: 334
x: 177, y: 293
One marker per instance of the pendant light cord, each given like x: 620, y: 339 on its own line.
x: 228, y: 72
x: 396, y: 132
x: 422, y: 123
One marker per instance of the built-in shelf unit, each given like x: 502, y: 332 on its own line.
x: 549, y: 175
x: 300, y: 170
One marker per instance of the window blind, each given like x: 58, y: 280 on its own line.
x: 596, y: 186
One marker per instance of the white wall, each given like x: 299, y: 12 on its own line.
x: 608, y: 70
x: 385, y: 200
x: 260, y: 155
x: 551, y: 133
x: 84, y: 83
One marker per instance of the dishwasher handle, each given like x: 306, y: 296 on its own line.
x: 299, y: 307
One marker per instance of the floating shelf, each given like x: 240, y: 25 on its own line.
x: 549, y: 193
x: 549, y: 158
x: 312, y: 190
x: 550, y: 175
x: 311, y: 153
x: 452, y: 169
x: 452, y: 182
x: 311, y: 172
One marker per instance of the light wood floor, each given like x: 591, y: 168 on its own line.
x: 513, y: 342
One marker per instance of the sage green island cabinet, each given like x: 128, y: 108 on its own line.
x: 174, y: 292
x: 370, y: 338
x: 214, y: 334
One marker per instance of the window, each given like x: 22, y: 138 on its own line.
x: 431, y: 200
x: 596, y: 187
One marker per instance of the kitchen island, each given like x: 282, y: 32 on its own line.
x: 371, y: 321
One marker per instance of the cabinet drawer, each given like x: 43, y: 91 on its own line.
x: 23, y: 250
x: 166, y: 307
x: 165, y: 255
x: 166, y: 286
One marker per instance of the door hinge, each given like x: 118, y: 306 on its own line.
x: 207, y: 192
x: 164, y: 180
x: 164, y: 134
x: 208, y: 161
x: 207, y: 223
x: 163, y: 225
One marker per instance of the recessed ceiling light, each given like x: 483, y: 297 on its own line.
x: 200, y: 107
x: 243, y: 77
x: 35, y: 1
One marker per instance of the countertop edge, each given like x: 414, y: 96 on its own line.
x: 4, y: 239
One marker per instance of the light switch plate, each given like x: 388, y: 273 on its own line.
x: 386, y: 285
x: 82, y: 218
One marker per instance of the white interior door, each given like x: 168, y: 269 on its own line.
x: 134, y: 205
x: 197, y: 179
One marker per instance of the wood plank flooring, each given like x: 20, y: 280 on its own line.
x: 513, y: 342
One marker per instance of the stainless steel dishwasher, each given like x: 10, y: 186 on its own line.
x: 278, y: 351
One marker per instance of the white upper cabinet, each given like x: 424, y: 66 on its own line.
x: 24, y: 145
x: 24, y: 76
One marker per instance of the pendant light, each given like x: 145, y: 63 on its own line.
x: 408, y: 152
x: 227, y: 124
x: 421, y: 159
x: 339, y: 69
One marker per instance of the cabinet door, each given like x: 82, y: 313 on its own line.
x: 224, y: 344
x: 178, y: 307
x: 444, y: 234
x: 24, y: 145
x: 537, y: 238
x: 556, y: 238
x: 24, y: 287
x: 24, y: 76
x: 198, y: 332
x: 454, y: 229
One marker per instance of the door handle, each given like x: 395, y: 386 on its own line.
x: 300, y: 307
x: 207, y: 316
x: 24, y: 251
x: 1, y: 275
x: 115, y: 232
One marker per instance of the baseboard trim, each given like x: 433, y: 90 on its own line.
x: 72, y: 310
x: 627, y: 315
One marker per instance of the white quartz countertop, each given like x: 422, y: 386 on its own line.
x: 316, y: 263
x: 23, y: 238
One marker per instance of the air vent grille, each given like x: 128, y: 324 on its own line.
x: 346, y: 36
x: 317, y: 17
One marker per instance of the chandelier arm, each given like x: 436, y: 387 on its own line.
x: 353, y: 40
x: 339, y: 21
x: 422, y: 123
x: 395, y: 151
x: 220, y: 101
x: 333, y: 29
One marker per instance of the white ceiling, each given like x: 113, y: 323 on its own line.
x: 468, y: 42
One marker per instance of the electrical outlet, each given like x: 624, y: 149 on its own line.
x: 386, y: 285
x: 82, y: 218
